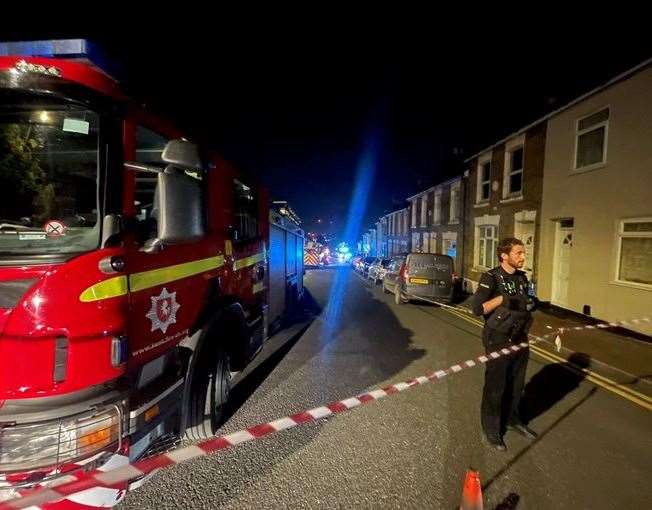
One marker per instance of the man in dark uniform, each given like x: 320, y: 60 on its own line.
x: 504, y: 301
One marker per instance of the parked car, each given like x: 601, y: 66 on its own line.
x: 392, y: 273
x: 355, y: 262
x: 365, y: 264
x: 377, y: 269
x: 426, y: 275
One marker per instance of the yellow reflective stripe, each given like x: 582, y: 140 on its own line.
x: 155, y: 277
x: 249, y: 261
x: 113, y: 287
x: 258, y: 287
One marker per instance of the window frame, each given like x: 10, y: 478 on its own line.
x: 437, y: 208
x: 424, y: 211
x: 620, y: 234
x: 509, y: 171
x: 578, y: 133
x: 454, y: 204
x: 479, y: 182
x: 482, y: 240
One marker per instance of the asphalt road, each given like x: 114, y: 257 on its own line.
x: 409, y: 450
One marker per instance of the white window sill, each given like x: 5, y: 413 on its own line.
x: 454, y: 222
x: 509, y: 200
x: 638, y: 286
x: 481, y: 205
x: 480, y: 269
x: 585, y: 169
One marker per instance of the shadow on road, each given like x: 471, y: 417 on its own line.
x: 540, y: 438
x: 354, y: 343
x: 551, y: 384
x: 509, y: 503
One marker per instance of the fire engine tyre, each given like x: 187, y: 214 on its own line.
x: 209, y: 396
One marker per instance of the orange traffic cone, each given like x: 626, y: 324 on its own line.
x: 472, y: 491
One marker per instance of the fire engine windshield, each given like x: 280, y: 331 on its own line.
x: 48, y: 176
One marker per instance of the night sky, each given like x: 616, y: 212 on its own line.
x: 297, y: 107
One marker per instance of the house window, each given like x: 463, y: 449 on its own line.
x: 414, y: 214
x: 454, y: 205
x: 487, y: 239
x: 416, y: 245
x: 591, y: 139
x: 635, y: 252
x: 484, y: 181
x: 514, y: 173
x: 437, y: 213
x: 426, y: 242
x: 424, y: 210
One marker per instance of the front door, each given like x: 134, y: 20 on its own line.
x: 562, y: 263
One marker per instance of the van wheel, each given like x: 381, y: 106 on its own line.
x: 209, y: 397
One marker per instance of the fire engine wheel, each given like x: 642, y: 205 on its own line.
x: 209, y: 397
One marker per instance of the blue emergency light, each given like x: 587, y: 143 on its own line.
x: 78, y: 50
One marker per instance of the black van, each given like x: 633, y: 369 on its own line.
x: 427, y: 275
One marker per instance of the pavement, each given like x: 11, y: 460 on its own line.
x: 411, y: 450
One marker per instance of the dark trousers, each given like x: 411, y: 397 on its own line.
x: 504, y: 379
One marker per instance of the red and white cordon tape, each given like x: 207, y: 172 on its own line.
x: 65, y: 487
x: 561, y: 330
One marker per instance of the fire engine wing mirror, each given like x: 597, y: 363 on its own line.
x: 183, y: 154
x: 180, y: 207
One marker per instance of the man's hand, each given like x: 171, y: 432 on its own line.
x: 492, y: 304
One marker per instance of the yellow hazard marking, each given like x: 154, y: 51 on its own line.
x: 258, y: 287
x: 623, y: 391
x: 113, y: 287
x: 156, y: 277
x: 249, y: 261
x: 119, y: 285
x: 597, y: 379
x: 228, y: 248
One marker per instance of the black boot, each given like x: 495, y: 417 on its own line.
x: 496, y: 443
x: 523, y: 429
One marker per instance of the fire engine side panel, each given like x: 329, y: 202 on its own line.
x: 291, y: 254
x: 299, y: 254
x: 276, y: 272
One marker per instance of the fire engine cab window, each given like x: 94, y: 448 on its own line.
x: 49, y: 161
x: 246, y: 211
x: 149, y: 147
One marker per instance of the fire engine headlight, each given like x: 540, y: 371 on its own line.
x: 52, y: 443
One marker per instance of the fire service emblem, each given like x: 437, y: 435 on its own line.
x: 164, y: 310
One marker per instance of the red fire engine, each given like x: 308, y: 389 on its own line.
x: 138, y: 273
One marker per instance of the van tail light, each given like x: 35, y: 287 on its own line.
x: 404, y: 272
